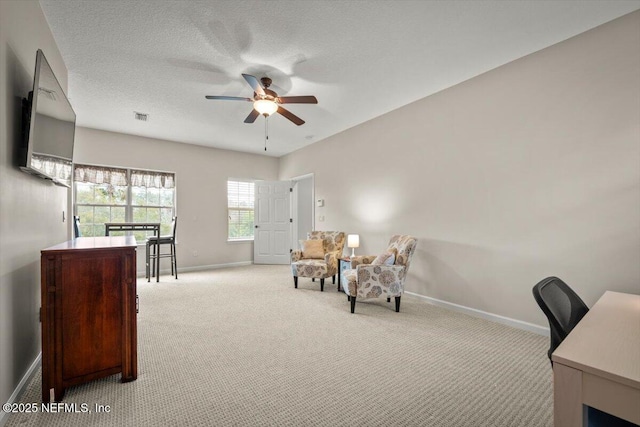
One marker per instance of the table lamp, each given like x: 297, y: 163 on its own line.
x: 353, y: 241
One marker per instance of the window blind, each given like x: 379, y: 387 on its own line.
x: 240, y: 195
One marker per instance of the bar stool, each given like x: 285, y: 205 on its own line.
x: 154, y: 242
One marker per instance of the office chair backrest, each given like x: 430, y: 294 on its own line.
x: 76, y: 226
x: 562, y: 306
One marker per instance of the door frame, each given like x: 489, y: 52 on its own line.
x: 295, y: 204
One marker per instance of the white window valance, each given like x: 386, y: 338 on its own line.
x: 100, y: 175
x: 141, y: 178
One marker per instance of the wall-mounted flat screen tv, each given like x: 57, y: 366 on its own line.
x: 49, y: 128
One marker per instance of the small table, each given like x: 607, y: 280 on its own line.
x: 598, y: 363
x: 343, y: 264
x: 139, y: 226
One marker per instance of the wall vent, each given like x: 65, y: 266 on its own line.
x: 141, y: 116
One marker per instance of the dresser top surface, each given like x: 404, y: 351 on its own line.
x: 102, y: 242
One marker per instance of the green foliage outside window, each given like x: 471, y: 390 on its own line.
x: 240, y: 224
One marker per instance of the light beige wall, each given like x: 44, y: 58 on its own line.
x: 30, y: 208
x: 201, y: 177
x: 530, y: 170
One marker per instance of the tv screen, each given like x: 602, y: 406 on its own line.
x: 50, y: 125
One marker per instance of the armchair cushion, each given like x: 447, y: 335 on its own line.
x: 316, y: 268
x: 313, y: 249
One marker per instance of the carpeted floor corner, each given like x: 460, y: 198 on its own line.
x: 242, y: 347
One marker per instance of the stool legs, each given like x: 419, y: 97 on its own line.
x: 153, y: 258
x: 147, y: 265
x: 153, y: 255
x: 171, y: 253
x: 174, y: 259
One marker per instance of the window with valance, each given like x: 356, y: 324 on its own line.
x: 111, y: 194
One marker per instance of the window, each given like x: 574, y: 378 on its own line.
x: 240, y: 209
x: 105, y: 194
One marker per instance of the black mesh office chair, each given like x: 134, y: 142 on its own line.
x: 562, y: 306
x: 153, y: 257
x: 76, y: 226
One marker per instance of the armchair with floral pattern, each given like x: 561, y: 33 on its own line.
x: 370, y: 279
x: 319, y: 266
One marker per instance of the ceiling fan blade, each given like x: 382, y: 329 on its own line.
x: 289, y: 115
x: 298, y: 99
x: 253, y: 115
x: 254, y: 83
x: 228, y: 98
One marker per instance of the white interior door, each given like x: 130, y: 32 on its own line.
x: 272, y: 219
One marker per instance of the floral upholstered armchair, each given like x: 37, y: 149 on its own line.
x: 380, y: 276
x: 318, y: 258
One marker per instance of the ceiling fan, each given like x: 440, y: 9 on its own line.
x: 267, y: 102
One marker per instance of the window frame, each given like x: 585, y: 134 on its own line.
x: 240, y: 209
x: 128, y: 205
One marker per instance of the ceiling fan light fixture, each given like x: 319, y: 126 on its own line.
x: 265, y: 107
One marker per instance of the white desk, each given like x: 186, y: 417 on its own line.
x: 598, y: 364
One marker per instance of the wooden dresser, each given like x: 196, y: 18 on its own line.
x: 88, y: 312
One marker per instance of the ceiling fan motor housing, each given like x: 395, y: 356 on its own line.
x: 266, y: 82
x: 270, y: 95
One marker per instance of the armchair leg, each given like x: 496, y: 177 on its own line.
x: 397, y: 304
x: 313, y: 279
x: 334, y: 279
x: 388, y: 299
x: 295, y: 282
x: 322, y: 285
x: 348, y: 297
x: 353, y: 304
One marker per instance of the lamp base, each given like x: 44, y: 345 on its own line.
x: 353, y: 252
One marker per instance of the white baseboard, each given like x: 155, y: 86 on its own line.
x: 4, y: 417
x: 201, y: 268
x: 215, y: 266
x: 519, y: 324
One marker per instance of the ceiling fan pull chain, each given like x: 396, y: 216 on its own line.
x: 266, y: 131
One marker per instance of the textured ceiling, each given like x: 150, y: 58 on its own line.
x: 360, y: 59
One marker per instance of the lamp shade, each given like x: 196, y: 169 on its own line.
x: 265, y: 107
x: 353, y: 241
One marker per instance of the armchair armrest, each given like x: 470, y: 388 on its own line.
x: 361, y: 259
x: 331, y: 258
x: 296, y: 255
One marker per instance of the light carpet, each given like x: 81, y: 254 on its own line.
x: 242, y: 347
